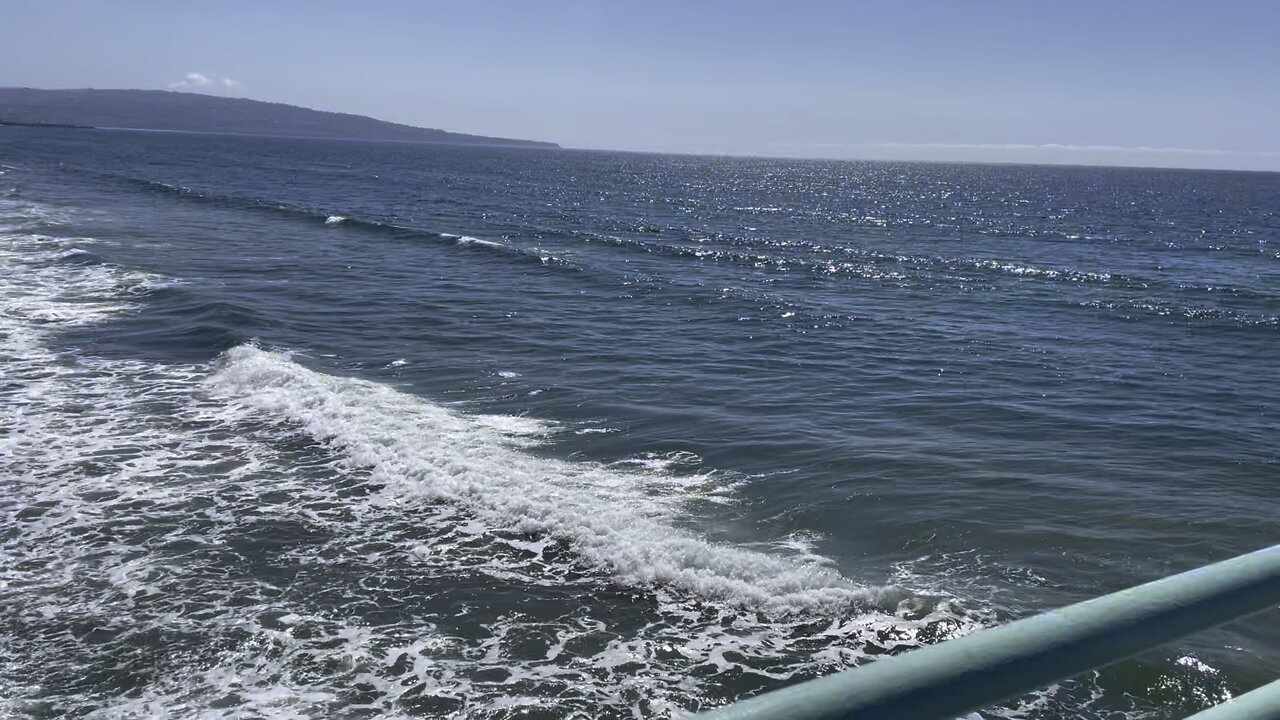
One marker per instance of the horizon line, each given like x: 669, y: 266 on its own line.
x: 749, y: 155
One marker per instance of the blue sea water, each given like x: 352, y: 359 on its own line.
x: 299, y: 428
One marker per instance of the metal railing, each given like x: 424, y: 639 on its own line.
x: 947, y: 680
x: 1261, y: 704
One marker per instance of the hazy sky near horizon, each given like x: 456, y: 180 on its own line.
x: 1193, y: 84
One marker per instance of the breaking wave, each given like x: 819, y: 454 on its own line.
x: 623, y: 523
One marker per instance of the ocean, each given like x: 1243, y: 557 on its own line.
x: 327, y: 429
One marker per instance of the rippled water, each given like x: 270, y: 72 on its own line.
x: 331, y: 429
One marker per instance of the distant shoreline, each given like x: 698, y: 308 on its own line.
x: 63, y: 126
x: 160, y: 110
x: 530, y: 146
x: 166, y: 131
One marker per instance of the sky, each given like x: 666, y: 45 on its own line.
x: 1174, y: 83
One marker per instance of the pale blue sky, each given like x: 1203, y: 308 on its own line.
x: 1142, y: 82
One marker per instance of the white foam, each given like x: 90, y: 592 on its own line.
x: 662, y: 462
x: 595, y: 431
x: 468, y: 240
x: 610, y: 518
x: 334, y: 220
x: 1025, y: 270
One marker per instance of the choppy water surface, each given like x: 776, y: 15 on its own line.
x: 323, y: 429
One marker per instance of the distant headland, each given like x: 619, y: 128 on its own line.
x: 193, y: 112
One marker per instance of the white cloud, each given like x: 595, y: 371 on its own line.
x: 199, y: 82
x: 190, y: 81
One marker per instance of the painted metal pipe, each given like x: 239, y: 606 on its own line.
x: 1260, y: 704
x: 952, y: 678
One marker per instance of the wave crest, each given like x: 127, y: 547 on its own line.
x: 614, y: 520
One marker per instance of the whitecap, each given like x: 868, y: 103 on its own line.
x: 604, y: 515
x: 468, y: 240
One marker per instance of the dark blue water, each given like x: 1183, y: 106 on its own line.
x: 333, y: 429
